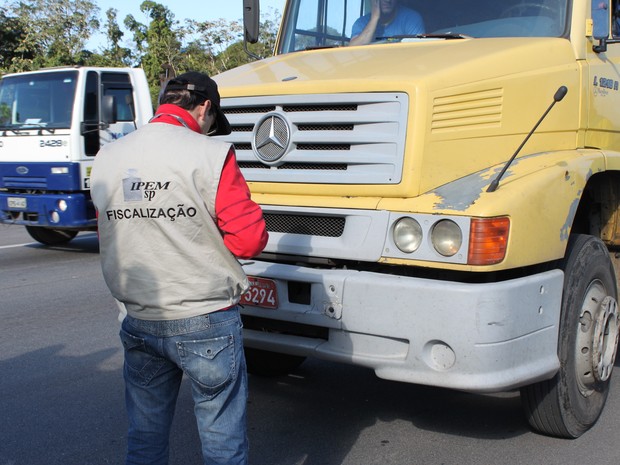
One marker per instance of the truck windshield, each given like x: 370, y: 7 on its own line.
x: 331, y: 23
x: 42, y: 100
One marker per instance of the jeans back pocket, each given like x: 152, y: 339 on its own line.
x: 210, y: 363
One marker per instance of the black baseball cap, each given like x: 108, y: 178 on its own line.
x: 203, y: 85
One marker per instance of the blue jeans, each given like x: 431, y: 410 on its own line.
x: 209, y: 350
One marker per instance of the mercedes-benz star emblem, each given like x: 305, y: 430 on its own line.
x: 271, y: 138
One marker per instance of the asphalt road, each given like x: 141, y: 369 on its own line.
x: 61, y: 391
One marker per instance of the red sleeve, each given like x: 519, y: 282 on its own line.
x: 239, y: 218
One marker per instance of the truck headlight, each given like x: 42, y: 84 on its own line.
x: 446, y: 237
x: 407, y: 235
x: 62, y: 205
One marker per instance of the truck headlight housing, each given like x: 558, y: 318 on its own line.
x: 407, y: 235
x: 454, y: 239
x: 446, y: 237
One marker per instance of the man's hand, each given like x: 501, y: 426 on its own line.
x: 368, y: 34
x: 375, y: 14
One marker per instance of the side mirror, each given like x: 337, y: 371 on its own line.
x: 251, y: 20
x: 600, y: 24
x: 108, y: 110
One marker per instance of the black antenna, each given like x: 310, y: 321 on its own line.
x: 559, y: 95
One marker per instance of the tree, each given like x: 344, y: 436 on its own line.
x: 268, y: 34
x: 25, y: 46
x: 115, y: 54
x: 158, y: 43
x: 54, y: 32
x: 11, y: 35
x: 223, y: 42
x: 213, y: 37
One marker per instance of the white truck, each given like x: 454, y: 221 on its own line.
x: 52, y: 124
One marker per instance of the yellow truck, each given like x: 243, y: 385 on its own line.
x: 444, y: 205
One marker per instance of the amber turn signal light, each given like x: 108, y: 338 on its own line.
x: 488, y: 238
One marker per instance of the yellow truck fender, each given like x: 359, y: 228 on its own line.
x: 542, y: 193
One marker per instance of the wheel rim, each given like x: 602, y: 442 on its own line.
x: 606, y: 339
x: 597, y: 338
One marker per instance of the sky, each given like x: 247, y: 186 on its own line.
x: 204, y: 10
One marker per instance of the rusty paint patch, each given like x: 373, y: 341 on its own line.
x: 463, y: 193
x: 572, y: 211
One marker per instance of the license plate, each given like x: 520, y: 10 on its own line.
x: 17, y: 202
x: 262, y: 293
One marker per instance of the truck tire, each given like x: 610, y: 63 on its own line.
x: 266, y: 363
x: 49, y: 236
x: 570, y: 403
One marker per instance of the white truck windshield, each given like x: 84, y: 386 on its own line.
x: 43, y: 100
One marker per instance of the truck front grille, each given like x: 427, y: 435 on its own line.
x: 361, y: 136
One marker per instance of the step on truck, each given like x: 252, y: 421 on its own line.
x: 52, y: 124
x: 443, y: 207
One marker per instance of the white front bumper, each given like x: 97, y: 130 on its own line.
x: 474, y: 337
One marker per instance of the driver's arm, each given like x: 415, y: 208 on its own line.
x: 368, y: 33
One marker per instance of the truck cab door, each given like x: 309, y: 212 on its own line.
x: 90, y: 126
x: 604, y: 78
x: 109, y: 111
x: 118, y: 110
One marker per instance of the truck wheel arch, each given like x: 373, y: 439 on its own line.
x: 50, y: 236
x: 598, y: 212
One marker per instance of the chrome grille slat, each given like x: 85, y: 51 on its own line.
x: 324, y: 107
x: 245, y: 110
x: 294, y: 166
x: 323, y: 146
x: 325, y: 127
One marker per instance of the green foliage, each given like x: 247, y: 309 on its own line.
x: 158, y: 43
x: 11, y: 36
x: 223, y: 42
x: 51, y: 32
x: 5, y: 114
x: 115, y: 54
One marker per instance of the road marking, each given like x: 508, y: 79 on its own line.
x: 86, y: 236
x: 15, y: 245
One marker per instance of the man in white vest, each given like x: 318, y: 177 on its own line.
x: 175, y: 213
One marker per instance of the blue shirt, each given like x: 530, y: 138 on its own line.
x: 405, y: 22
